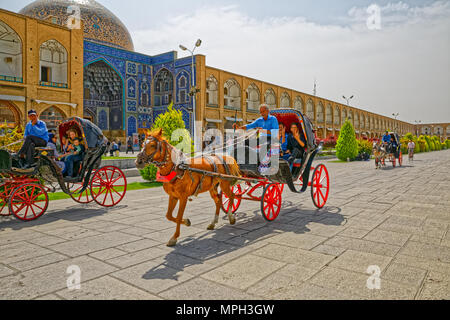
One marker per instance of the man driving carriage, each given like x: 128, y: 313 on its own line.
x: 387, y: 142
x: 36, y: 135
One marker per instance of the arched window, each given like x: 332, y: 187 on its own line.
x: 329, y: 114
x: 270, y: 99
x: 285, y: 101
x: 310, y: 110
x: 53, y: 64
x: 351, y: 117
x: 232, y: 94
x: 344, y: 115
x: 367, y: 123
x: 298, y: 104
x: 163, y: 92
x: 363, y: 121
x: 337, y: 116
x: 212, y: 92
x: 132, y: 125
x: 356, y: 120
x: 10, y: 54
x: 182, y: 82
x: 253, y: 97
x: 52, y: 118
x: 320, y: 113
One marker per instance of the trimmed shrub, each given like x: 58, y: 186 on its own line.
x: 447, y: 142
x: 364, y: 146
x: 347, y: 145
x: 149, y: 173
x: 443, y: 146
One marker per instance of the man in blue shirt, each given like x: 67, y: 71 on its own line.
x: 267, y: 125
x: 36, y: 135
x: 387, y: 141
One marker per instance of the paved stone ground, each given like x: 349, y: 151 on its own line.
x: 396, y: 219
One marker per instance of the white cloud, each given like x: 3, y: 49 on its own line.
x: 404, y: 67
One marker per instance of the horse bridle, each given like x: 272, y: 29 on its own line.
x: 149, y: 159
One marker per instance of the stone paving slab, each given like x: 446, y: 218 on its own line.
x: 395, y: 219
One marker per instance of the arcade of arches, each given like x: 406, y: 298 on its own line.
x: 241, y: 96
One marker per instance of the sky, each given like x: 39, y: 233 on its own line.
x: 399, y: 63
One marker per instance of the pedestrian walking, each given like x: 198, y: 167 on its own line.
x: 411, y: 148
x: 130, y: 145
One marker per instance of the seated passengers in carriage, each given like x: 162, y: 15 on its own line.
x: 296, y: 144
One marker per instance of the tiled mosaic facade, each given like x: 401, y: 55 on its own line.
x: 132, y: 76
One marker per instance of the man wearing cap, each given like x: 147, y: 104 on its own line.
x: 36, y: 135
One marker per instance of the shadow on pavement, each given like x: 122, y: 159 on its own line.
x: 227, y: 239
x: 74, y: 213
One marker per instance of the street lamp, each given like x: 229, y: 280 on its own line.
x: 348, y: 100
x: 193, y: 90
x: 417, y: 128
x: 395, y: 115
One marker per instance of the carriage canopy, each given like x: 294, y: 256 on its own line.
x: 290, y: 116
x: 91, y: 134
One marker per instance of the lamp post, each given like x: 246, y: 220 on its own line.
x: 193, y: 90
x: 348, y: 100
x: 417, y: 128
x: 395, y: 115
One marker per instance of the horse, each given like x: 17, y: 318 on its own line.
x: 181, y: 183
x: 380, y: 155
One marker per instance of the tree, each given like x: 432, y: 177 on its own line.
x: 347, y: 146
x: 174, y: 130
x: 172, y: 122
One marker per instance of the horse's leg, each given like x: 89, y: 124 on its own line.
x: 226, y: 188
x: 215, y: 196
x: 172, y: 204
x: 172, y: 242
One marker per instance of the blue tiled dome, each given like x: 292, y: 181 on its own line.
x: 100, y: 24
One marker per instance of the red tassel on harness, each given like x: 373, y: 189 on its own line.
x: 167, y: 178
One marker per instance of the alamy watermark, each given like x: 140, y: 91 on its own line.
x: 74, y: 280
x: 374, y: 281
x: 373, y: 22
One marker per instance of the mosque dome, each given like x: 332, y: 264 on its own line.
x: 100, y: 24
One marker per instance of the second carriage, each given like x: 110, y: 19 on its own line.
x: 24, y: 193
x: 272, y: 184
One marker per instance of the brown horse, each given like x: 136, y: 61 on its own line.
x: 182, y: 184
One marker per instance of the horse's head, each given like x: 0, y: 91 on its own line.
x: 153, y: 151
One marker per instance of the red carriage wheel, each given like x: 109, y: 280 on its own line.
x: 28, y: 202
x: 400, y: 159
x: 271, y: 202
x: 320, y: 186
x: 83, y: 197
x: 108, y: 186
x: 4, y: 196
x: 226, y: 203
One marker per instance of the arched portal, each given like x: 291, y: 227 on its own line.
x: 103, y: 94
x: 52, y: 118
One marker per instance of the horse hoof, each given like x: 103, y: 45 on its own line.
x: 187, y: 223
x: 172, y: 243
x: 233, y: 221
x: 211, y: 227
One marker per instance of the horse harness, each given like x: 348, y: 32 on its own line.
x: 180, y: 170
